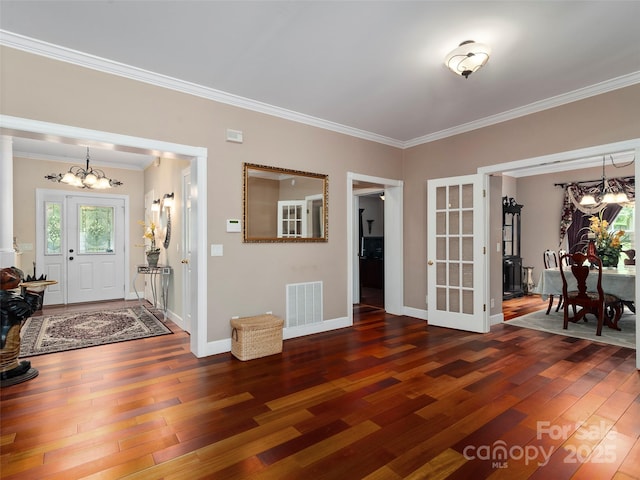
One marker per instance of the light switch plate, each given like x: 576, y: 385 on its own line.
x: 216, y: 250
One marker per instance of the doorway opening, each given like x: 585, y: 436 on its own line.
x: 371, y: 249
x: 387, y: 226
x: 197, y: 156
x: 557, y: 162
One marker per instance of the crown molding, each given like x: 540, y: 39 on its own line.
x: 56, y: 52
x: 558, y: 100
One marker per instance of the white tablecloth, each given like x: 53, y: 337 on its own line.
x: 620, y: 282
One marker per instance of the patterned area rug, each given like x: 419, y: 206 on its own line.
x: 552, y: 323
x: 69, y: 331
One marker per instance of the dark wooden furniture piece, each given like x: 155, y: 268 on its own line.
x: 595, y: 302
x: 550, y: 259
x: 511, y: 259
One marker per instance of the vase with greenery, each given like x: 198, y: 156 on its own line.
x: 607, y: 242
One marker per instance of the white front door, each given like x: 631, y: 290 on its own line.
x: 456, y: 257
x: 81, y: 245
x: 95, y: 266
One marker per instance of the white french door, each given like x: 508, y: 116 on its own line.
x: 456, y: 254
x: 81, y: 245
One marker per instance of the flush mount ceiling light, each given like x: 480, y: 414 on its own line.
x: 467, y: 58
x: 86, y: 177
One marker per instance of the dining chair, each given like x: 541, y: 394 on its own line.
x: 561, y: 253
x: 629, y: 261
x: 595, y: 302
x: 550, y: 259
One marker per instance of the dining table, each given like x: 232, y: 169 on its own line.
x: 620, y: 282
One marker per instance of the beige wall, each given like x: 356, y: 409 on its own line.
x: 606, y: 118
x: 249, y: 278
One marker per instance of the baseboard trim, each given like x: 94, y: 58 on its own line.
x: 415, y: 312
x: 224, y: 345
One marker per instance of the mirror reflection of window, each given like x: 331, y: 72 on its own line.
x: 284, y: 205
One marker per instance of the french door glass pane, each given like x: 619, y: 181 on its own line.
x: 454, y: 248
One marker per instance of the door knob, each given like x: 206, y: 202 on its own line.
x: 71, y: 250
x: 184, y: 260
x: 430, y: 262
x: 70, y: 258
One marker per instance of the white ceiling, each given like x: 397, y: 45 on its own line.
x: 374, y: 69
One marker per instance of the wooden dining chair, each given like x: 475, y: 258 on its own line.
x: 595, y: 302
x: 550, y: 259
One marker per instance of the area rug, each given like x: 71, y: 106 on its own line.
x: 70, y: 331
x: 552, y: 323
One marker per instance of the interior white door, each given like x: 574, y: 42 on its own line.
x: 186, y: 249
x: 456, y: 254
x: 95, y: 248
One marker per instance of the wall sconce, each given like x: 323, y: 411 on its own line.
x: 167, y: 201
x: 155, y: 205
x: 467, y: 58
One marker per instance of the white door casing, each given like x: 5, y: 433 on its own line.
x: 456, y: 254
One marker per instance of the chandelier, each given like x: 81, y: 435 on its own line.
x: 87, y: 177
x: 606, y: 192
x: 467, y: 58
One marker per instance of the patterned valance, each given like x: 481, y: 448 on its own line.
x: 573, y: 192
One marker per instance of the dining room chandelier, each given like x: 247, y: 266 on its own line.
x: 605, y: 192
x: 87, y: 177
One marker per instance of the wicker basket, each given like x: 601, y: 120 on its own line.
x: 255, y: 337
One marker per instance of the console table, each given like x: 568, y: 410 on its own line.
x: 164, y: 272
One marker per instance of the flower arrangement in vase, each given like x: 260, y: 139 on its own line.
x: 153, y: 252
x: 607, y: 242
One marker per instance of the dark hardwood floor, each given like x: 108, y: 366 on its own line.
x: 388, y: 398
x: 516, y: 307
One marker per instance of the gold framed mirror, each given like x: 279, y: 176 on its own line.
x: 283, y: 205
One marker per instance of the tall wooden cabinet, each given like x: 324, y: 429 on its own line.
x: 511, y: 259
